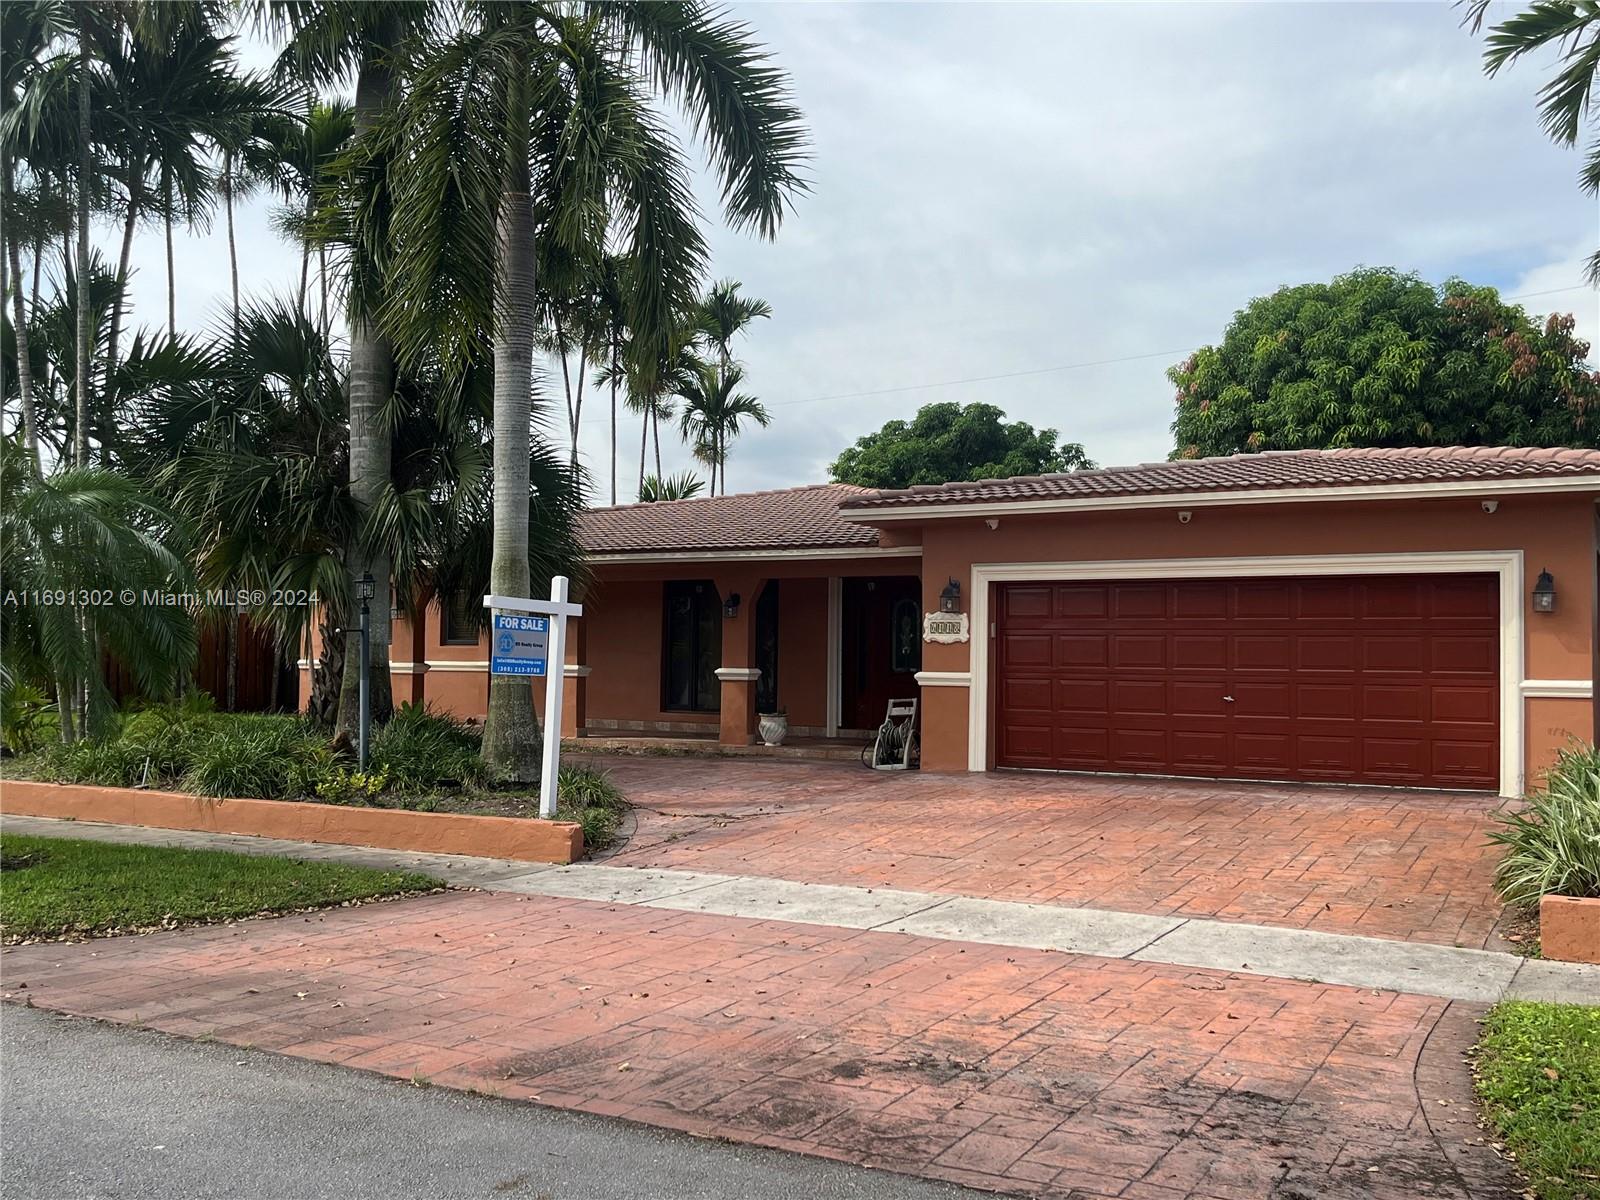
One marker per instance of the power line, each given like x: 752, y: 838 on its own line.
x: 1099, y: 362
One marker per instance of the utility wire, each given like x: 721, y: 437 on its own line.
x: 1098, y: 362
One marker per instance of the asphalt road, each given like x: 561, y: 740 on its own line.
x: 94, y: 1110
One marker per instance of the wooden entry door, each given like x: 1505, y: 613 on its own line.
x: 1375, y: 679
x: 881, y: 645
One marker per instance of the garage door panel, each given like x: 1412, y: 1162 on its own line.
x: 1199, y: 652
x: 1081, y: 650
x: 1141, y: 748
x: 1465, y: 655
x: 1406, y: 654
x: 1253, y: 699
x: 1472, y: 705
x: 1358, y: 679
x: 1263, y: 652
x: 1326, y: 701
x: 1138, y: 697
x: 1199, y: 751
x: 1262, y: 600
x: 1199, y: 698
x: 1395, y: 702
x: 1081, y: 695
x: 1139, y: 650
x: 1028, y: 694
x: 1024, y: 650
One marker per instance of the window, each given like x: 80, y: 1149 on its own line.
x: 458, y: 624
x: 905, y: 639
x: 691, y: 646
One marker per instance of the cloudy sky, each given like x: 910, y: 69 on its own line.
x: 1029, y: 191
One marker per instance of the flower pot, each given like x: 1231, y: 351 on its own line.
x: 774, y: 728
x: 1569, y: 929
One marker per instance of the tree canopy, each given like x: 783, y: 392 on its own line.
x: 1382, y: 358
x: 945, y: 443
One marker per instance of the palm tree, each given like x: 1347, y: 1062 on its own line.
x: 81, y: 531
x: 330, y: 42
x: 713, y: 412
x: 534, y: 121
x: 723, y: 314
x: 1572, y: 28
x: 683, y: 486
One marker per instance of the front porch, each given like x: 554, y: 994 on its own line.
x: 687, y: 660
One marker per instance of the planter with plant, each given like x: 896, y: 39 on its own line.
x: 1552, y: 856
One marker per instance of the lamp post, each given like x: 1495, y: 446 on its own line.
x: 364, y: 593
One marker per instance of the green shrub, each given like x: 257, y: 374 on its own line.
x: 106, y: 762
x: 588, y: 796
x: 420, y: 748
x: 340, y: 786
x: 270, y: 757
x: 1552, y: 847
x: 29, y: 720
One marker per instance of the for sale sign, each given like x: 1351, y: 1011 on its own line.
x: 519, y: 644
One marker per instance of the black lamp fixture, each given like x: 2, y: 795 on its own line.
x: 366, y: 587
x: 950, y: 598
x: 730, y: 606
x: 1544, y: 594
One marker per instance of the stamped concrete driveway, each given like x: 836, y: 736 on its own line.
x: 1377, y: 861
x: 1025, y: 1072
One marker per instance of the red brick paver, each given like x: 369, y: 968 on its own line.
x: 1019, y: 1071
x: 1377, y: 861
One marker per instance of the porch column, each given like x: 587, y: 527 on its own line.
x: 738, y: 672
x: 575, y: 697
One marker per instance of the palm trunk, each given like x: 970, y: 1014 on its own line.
x: 172, y: 286
x: 19, y: 323
x: 233, y: 248
x: 69, y: 733
x: 305, y: 256
x: 371, y: 383
x: 644, y: 443
x: 322, y: 286
x: 80, y: 432
x: 613, y: 421
x: 232, y: 637
x: 114, y: 336
x: 511, y: 740
x: 655, y: 425
x: 577, y: 408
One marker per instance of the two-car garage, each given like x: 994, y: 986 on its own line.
x: 1387, y: 679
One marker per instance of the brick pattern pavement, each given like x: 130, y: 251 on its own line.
x: 1382, y: 862
x: 1025, y: 1072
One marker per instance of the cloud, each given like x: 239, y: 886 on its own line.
x: 1001, y: 188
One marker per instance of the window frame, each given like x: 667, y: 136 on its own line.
x: 700, y: 591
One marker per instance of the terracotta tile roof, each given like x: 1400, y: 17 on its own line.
x: 1250, y: 472
x: 794, y: 518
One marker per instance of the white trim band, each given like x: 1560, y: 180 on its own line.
x: 944, y: 678
x: 1558, y: 689
x: 745, y: 555
x: 1507, y: 564
x: 458, y: 664
x: 738, y: 674
x: 1400, y: 491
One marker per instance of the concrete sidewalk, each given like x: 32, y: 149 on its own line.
x: 1452, y: 973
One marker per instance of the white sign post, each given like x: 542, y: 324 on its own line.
x: 524, y: 649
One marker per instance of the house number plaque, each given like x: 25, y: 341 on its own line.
x: 944, y: 627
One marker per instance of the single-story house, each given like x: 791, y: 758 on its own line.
x: 1412, y: 617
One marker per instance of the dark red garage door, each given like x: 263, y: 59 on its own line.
x: 1387, y: 679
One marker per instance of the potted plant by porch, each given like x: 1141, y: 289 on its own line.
x: 1552, y: 856
x: 774, y: 727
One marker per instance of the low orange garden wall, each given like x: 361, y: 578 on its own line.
x: 522, y: 839
x: 1569, y: 929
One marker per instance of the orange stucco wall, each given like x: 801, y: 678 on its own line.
x: 1554, y: 533
x: 619, y: 638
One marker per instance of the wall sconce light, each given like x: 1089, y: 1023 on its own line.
x: 730, y: 606
x: 950, y: 598
x: 1544, y: 594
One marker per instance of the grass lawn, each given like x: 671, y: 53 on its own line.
x: 1539, y: 1080
x: 59, y: 887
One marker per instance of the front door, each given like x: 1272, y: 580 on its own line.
x: 881, y: 646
